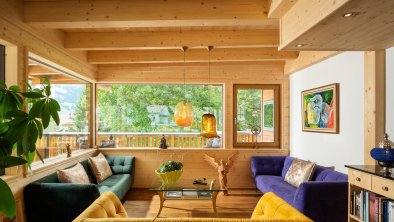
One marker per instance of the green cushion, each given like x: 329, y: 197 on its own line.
x: 121, y: 164
x: 117, y: 183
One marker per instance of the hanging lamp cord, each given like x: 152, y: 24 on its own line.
x: 209, y: 78
x: 184, y: 48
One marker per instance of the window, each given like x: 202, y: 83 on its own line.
x: 136, y: 115
x: 73, y: 96
x: 257, y: 116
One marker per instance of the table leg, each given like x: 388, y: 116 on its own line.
x: 161, y: 195
x: 214, y: 196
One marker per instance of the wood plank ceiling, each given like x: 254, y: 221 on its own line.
x: 154, y: 31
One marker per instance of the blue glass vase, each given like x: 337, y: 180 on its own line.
x: 384, y: 154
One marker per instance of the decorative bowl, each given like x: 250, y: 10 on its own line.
x: 384, y: 156
x: 169, y: 177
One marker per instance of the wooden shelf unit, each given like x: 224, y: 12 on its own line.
x: 373, y: 181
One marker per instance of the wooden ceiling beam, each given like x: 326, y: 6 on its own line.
x: 41, y: 70
x: 193, y: 55
x: 171, y: 39
x: 280, y: 7
x: 322, y: 26
x: 142, y: 13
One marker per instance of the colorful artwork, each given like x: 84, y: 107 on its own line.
x: 320, y: 109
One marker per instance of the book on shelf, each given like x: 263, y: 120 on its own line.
x: 371, y: 207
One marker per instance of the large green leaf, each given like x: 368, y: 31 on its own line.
x: 10, y: 161
x: 15, y: 88
x: 45, y: 115
x: 56, y: 104
x: 3, y: 85
x: 32, y: 95
x: 7, y: 203
x: 54, y: 112
x: 30, y: 138
x: 39, y: 156
x: 16, y: 113
x: 48, y: 90
x: 17, y: 98
x: 16, y: 132
x: 19, y: 148
x: 3, y: 128
x: 39, y: 128
x: 35, y: 111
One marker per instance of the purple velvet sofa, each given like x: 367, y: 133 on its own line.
x: 323, y: 198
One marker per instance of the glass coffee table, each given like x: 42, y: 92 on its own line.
x: 186, y: 190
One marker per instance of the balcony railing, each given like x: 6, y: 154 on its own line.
x: 54, y: 143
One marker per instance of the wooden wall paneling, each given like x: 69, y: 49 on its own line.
x: 374, y: 101
x: 170, y: 39
x: 147, y: 160
x: 14, y: 31
x: 140, y: 13
x: 226, y: 73
x: 306, y: 59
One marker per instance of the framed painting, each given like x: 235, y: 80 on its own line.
x: 320, y: 109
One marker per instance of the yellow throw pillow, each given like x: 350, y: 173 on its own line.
x: 100, y: 167
x: 75, y: 174
x: 300, y: 171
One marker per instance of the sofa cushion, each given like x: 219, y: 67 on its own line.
x: 324, y: 174
x: 75, y: 174
x: 300, y: 171
x: 277, y: 185
x: 286, y: 165
x: 120, y: 164
x: 100, y: 167
x: 117, y: 183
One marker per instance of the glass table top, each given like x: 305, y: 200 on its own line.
x: 186, y: 184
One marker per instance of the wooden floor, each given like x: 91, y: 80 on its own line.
x: 145, y: 203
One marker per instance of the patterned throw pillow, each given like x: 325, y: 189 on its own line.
x: 300, y: 171
x: 100, y: 167
x: 75, y: 174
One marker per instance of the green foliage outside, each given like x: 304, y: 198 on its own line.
x: 80, y: 118
x: 269, y: 115
x: 249, y: 108
x: 124, y: 108
x: 169, y: 166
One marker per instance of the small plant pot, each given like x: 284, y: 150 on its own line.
x: 169, y: 177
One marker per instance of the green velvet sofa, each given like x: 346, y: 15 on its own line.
x: 48, y: 200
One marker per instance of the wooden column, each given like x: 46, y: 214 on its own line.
x: 374, y: 101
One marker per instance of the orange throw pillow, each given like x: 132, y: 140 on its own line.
x: 75, y: 174
x: 100, y: 167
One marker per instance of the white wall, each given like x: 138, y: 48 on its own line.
x: 325, y: 149
x: 390, y: 92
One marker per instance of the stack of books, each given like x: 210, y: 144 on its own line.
x: 371, y: 207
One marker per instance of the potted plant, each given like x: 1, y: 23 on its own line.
x: 20, y: 128
x: 169, y: 172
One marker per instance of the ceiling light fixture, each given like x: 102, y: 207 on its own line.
x: 208, y: 120
x: 184, y: 114
x: 299, y: 45
x: 349, y: 14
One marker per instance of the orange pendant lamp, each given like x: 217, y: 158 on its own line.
x: 208, y: 122
x: 184, y: 114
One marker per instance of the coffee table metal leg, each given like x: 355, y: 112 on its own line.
x: 161, y: 195
x: 214, y: 196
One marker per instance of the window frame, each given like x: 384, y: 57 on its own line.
x: 223, y: 97
x: 2, y: 62
x: 277, y: 115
